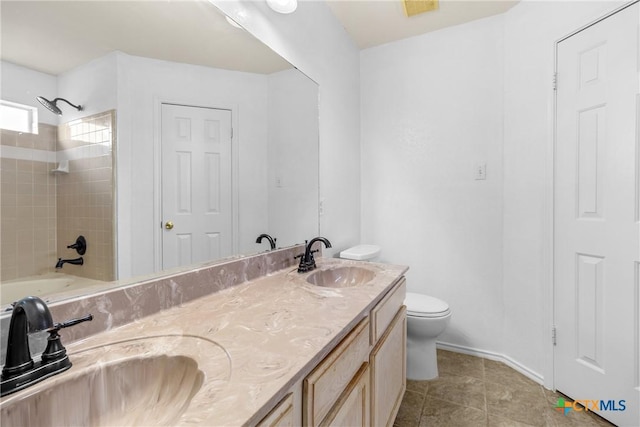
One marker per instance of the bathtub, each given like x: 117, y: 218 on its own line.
x: 44, y: 286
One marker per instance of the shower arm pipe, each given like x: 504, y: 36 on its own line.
x: 77, y: 107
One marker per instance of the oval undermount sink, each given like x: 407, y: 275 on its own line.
x: 132, y: 392
x: 341, y: 277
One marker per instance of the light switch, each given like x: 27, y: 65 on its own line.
x: 481, y: 170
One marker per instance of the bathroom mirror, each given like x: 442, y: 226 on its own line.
x: 127, y: 63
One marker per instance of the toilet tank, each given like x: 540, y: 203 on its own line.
x: 362, y: 253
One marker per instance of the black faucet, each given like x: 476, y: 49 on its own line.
x: 307, y: 262
x: 272, y: 241
x: 80, y: 245
x: 76, y: 261
x: 29, y: 315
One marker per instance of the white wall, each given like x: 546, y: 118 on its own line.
x: 22, y: 85
x: 293, y: 157
x: 92, y: 85
x: 432, y: 106
x: 432, y: 109
x: 316, y: 43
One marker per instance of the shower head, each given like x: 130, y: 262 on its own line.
x: 52, y: 105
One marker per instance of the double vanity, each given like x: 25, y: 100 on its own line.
x: 271, y: 347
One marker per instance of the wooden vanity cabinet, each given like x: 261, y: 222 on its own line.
x: 388, y: 358
x: 283, y: 415
x: 362, y: 381
x: 386, y: 310
x: 389, y: 372
x: 326, y: 385
x: 353, y: 408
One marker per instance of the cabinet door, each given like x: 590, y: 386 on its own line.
x: 352, y: 409
x: 280, y: 416
x: 388, y: 371
x: 326, y: 384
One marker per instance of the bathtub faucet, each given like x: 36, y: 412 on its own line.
x: 76, y: 261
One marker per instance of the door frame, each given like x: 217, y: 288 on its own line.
x: 157, y: 168
x: 549, y: 208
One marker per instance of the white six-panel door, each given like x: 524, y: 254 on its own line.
x: 196, y: 184
x: 596, y: 232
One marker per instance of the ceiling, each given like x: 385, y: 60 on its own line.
x: 375, y: 22
x: 57, y: 36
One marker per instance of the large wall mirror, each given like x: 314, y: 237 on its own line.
x: 192, y: 140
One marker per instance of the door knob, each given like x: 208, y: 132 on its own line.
x: 168, y: 225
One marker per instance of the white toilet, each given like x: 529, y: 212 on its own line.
x: 427, y: 317
x: 362, y: 253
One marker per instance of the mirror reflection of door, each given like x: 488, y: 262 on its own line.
x: 196, y: 185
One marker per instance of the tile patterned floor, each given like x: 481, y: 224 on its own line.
x: 472, y: 391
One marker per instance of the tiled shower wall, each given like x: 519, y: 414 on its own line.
x: 41, y: 213
x: 85, y: 195
x: 27, y: 203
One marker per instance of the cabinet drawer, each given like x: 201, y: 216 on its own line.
x: 386, y: 310
x: 280, y: 416
x: 327, y: 382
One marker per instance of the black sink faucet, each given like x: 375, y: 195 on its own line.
x: 29, y: 315
x: 307, y: 262
x: 272, y: 241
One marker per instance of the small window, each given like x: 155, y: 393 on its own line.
x: 18, y: 117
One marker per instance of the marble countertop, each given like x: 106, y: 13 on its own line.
x: 253, y: 341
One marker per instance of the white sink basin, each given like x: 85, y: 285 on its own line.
x: 341, y: 277
x: 129, y: 383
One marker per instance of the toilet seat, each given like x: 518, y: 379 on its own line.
x: 419, y: 305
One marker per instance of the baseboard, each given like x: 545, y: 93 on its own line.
x: 534, y: 376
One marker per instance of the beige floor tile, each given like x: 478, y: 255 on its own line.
x: 450, y: 363
x: 410, y: 410
x: 465, y: 391
x: 498, y: 372
x: 442, y: 413
x: 497, y: 421
x: 501, y: 397
x: 552, y: 396
x: 418, y: 386
x: 574, y: 419
x: 514, y: 401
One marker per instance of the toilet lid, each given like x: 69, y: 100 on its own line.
x: 361, y: 252
x: 420, y: 305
